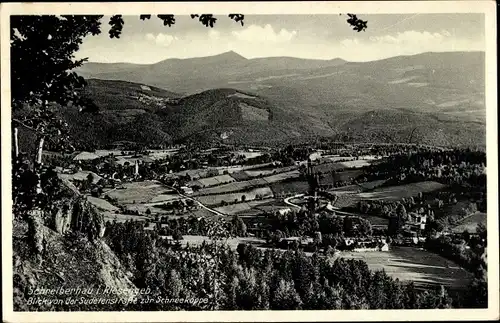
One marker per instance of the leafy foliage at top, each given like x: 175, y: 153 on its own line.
x: 42, y: 56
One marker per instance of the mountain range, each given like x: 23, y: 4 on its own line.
x: 439, y: 97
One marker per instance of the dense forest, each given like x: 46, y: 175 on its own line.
x: 251, y: 278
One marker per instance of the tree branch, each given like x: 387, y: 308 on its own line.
x: 27, y: 127
x: 34, y: 130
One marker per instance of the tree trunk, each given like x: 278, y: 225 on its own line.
x: 35, y: 230
x: 16, y: 144
x: 38, y: 165
x: 35, y: 216
x: 39, y: 151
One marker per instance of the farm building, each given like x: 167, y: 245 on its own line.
x: 357, y: 245
x: 417, y: 221
x: 186, y: 190
x: 302, y: 241
x: 284, y: 211
x: 315, y: 156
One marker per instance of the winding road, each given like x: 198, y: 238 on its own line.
x: 197, y: 202
x: 287, y: 200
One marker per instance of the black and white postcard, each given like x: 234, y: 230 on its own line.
x: 281, y: 161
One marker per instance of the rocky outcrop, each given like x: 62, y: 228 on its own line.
x: 73, y: 263
x: 75, y: 213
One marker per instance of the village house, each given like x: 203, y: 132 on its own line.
x: 284, y: 211
x: 302, y: 241
x: 187, y: 190
x: 416, y: 221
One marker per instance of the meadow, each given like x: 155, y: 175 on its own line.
x: 80, y: 176
x: 349, y: 196
x: 205, y: 172
x: 289, y: 187
x: 241, y: 207
x: 470, y: 223
x: 268, y: 171
x: 243, y: 185
x: 396, y: 193
x: 424, y: 268
x: 343, y: 176
x: 137, y: 192
x: 253, y: 208
x: 165, y: 197
x: 216, y: 200
x: 101, y: 204
x: 212, y: 181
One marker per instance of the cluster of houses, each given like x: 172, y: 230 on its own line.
x: 347, y: 244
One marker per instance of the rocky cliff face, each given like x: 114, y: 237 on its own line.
x: 71, y: 256
x: 76, y: 214
x: 81, y: 275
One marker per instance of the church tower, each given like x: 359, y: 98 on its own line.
x: 136, y: 171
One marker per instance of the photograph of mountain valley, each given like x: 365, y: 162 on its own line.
x: 235, y: 162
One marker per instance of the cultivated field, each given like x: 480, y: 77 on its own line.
x: 337, y: 158
x: 102, y: 204
x: 282, y: 176
x: 355, y: 163
x: 270, y: 205
x: 470, y: 223
x: 241, y: 207
x: 375, y: 220
x: 390, y: 193
x: 137, y: 192
x: 81, y: 176
x: 354, y: 188
x: 328, y: 178
x: 394, y: 193
x: 269, y: 171
x: 239, y: 186
x: 264, y: 192
x: 164, y: 198
x: 212, y: 181
x: 289, y: 187
x: 240, y: 175
x: 328, y: 167
x: 412, y: 264
x: 204, y: 172
x: 160, y: 154
x: 249, y: 154
x: 372, y: 184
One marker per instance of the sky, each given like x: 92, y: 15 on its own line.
x: 305, y: 36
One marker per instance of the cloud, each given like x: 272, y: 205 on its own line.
x: 161, y: 39
x: 255, y: 33
x: 214, y: 34
x: 411, y: 36
x: 349, y: 42
x: 409, y: 42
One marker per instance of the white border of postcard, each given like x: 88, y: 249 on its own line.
x: 488, y: 8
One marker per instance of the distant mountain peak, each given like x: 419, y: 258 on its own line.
x: 230, y: 55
